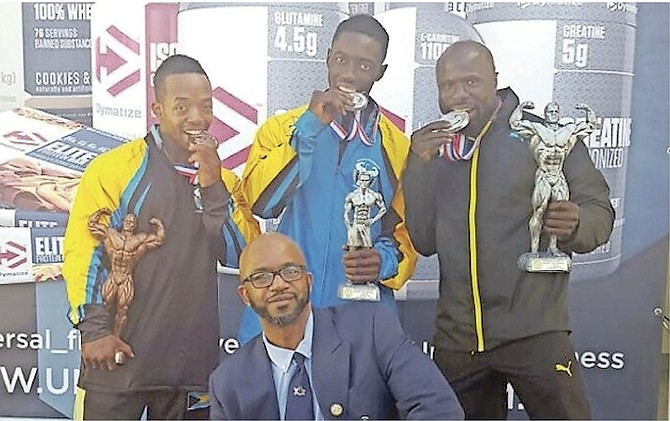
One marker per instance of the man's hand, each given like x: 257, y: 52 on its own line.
x: 561, y: 219
x: 206, y: 158
x: 427, y: 140
x: 329, y: 104
x: 99, y: 354
x: 362, y: 265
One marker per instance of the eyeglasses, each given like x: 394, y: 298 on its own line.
x: 264, y: 279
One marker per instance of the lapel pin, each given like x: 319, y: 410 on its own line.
x: 336, y: 409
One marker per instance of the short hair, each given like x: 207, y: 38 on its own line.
x: 365, y: 24
x: 473, y: 45
x: 174, y: 65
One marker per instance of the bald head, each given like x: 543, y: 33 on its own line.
x: 467, y: 50
x: 282, y: 304
x: 466, y: 79
x: 266, y: 247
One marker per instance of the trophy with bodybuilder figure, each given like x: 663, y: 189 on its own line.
x: 358, y: 209
x: 550, y: 142
x: 124, y: 249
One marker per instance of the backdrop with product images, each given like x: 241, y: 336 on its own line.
x: 269, y: 57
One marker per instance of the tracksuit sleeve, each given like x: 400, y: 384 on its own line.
x: 280, y: 161
x: 228, y: 220
x: 590, y: 191
x: 82, y: 267
x: 420, y: 216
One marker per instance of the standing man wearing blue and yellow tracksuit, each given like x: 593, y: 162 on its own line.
x: 170, y: 341
x: 301, y: 167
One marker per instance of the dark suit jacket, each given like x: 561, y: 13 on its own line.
x: 361, y: 360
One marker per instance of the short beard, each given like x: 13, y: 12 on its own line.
x: 285, y: 319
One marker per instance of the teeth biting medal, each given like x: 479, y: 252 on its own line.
x: 201, y: 137
x: 359, y: 99
x: 457, y: 119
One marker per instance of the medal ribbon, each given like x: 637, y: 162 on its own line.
x: 191, y: 174
x: 357, y: 128
x: 461, y: 147
x: 188, y: 171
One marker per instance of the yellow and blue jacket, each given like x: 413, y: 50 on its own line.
x: 301, y: 170
x: 173, y: 320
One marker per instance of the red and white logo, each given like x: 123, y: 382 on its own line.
x: 13, y: 255
x: 235, y: 117
x: 117, y: 60
x: 23, y: 138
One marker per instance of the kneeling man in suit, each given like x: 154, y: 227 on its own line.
x: 351, y: 361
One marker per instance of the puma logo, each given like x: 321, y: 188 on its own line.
x: 566, y: 368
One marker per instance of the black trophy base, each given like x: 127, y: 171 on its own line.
x: 359, y: 292
x: 545, y: 262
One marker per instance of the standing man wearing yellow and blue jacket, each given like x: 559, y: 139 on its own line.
x: 170, y: 341
x: 301, y: 167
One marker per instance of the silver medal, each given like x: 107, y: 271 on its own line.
x: 359, y: 100
x: 457, y: 119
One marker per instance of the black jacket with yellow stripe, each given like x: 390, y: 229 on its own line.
x: 474, y: 214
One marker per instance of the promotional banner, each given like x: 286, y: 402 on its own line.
x: 42, y: 157
x: 57, y: 58
x: 118, y: 62
x: 126, y: 54
x: 11, y: 66
x: 161, y: 43
x: 46, y: 62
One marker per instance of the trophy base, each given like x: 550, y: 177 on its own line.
x: 119, y: 358
x: 359, y: 292
x: 545, y: 262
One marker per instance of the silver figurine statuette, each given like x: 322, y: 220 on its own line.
x: 358, y: 207
x: 550, y: 142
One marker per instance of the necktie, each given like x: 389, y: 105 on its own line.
x: 299, y: 404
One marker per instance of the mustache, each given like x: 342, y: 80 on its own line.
x: 282, y: 294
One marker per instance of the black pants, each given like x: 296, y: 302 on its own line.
x: 163, y: 405
x: 542, y: 370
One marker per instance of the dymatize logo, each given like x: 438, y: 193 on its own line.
x: 13, y: 255
x: 234, y: 113
x: 117, y: 60
x: 22, y: 138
